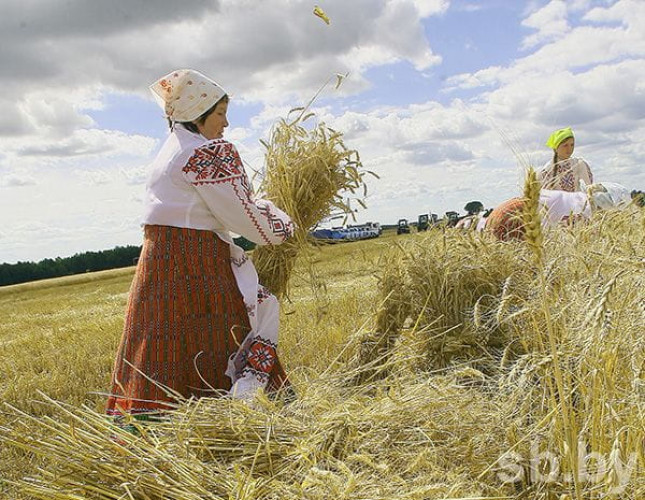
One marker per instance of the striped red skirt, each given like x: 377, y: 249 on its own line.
x: 505, y: 221
x: 185, y: 317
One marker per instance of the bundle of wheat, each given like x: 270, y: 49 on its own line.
x: 308, y: 172
x: 455, y: 293
x: 461, y: 290
x: 554, y: 323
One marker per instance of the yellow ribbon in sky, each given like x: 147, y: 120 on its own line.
x: 321, y: 14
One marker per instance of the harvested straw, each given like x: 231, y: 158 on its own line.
x: 307, y: 173
x: 335, y: 442
x: 411, y: 434
x: 375, y: 348
x: 462, y: 307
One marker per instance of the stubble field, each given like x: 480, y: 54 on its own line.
x: 431, y: 365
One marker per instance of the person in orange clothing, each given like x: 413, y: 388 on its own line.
x: 505, y: 221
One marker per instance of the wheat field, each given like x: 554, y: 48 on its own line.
x: 438, y: 365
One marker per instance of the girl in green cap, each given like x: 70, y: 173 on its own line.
x: 564, y: 172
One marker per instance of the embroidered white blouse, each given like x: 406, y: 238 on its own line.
x: 565, y: 175
x: 201, y: 184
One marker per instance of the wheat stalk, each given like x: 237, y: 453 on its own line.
x: 531, y: 217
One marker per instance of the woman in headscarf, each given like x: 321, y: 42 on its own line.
x: 564, y: 171
x: 197, y: 321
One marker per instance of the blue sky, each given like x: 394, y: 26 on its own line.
x: 447, y: 100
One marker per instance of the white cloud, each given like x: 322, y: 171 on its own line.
x: 583, y: 5
x: 482, y: 78
x: 35, y: 241
x: 273, y: 52
x: 626, y: 12
x: 17, y: 180
x: 135, y: 175
x: 94, y: 178
x: 88, y: 142
x: 550, y: 22
x: 582, y: 47
x: 52, y: 114
x: 430, y: 156
x: 470, y: 7
x: 68, y: 212
x: 242, y: 43
x: 428, y: 8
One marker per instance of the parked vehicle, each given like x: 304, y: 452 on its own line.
x: 423, y: 222
x: 451, y: 218
x: 367, y: 230
x: 403, y: 227
x: 374, y: 226
x: 349, y: 233
x: 427, y: 221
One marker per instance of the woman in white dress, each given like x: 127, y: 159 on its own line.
x: 564, y: 171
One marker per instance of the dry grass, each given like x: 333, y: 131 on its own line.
x: 489, y: 362
x: 561, y: 342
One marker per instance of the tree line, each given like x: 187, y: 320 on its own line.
x: 117, y: 257
x: 22, y: 272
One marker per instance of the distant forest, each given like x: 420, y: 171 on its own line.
x: 22, y: 272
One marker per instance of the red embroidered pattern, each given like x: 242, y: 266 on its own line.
x: 257, y: 357
x: 567, y: 181
x: 215, y: 162
x: 218, y: 162
x: 246, y: 202
x: 562, y: 177
x: 278, y: 226
x: 263, y: 294
x: 262, y: 356
x: 239, y: 262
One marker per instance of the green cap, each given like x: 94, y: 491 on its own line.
x: 556, y: 138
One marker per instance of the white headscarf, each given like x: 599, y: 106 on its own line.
x: 186, y: 94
